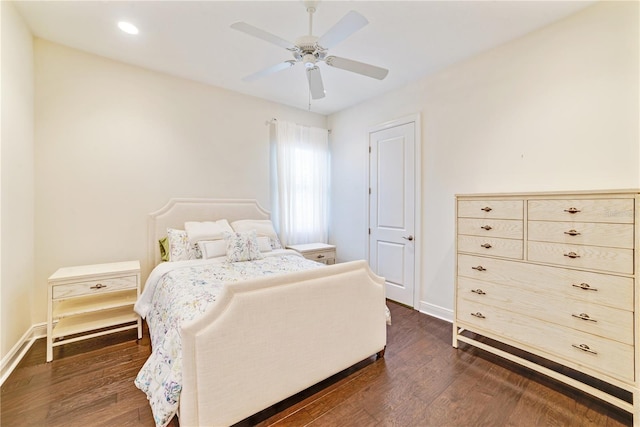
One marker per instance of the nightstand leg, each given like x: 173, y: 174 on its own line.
x: 49, y: 325
x: 49, y: 346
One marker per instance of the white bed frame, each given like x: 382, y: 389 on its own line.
x: 267, y: 339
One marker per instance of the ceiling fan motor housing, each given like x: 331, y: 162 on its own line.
x: 306, y: 44
x: 308, y: 51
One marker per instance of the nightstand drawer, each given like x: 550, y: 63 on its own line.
x: 93, y: 287
x: 320, y: 252
x: 328, y: 256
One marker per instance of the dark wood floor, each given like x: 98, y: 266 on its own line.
x: 422, y: 381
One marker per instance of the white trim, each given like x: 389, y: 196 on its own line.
x: 436, y: 311
x: 15, y: 355
x: 417, y: 269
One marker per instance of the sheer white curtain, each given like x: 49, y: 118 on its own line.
x: 302, y: 175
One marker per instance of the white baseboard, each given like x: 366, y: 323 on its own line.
x: 442, y: 313
x: 15, y: 355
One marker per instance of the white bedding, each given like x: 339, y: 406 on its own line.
x: 179, y: 292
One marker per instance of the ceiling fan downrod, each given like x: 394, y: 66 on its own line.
x: 311, y: 10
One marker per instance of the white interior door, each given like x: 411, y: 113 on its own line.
x: 392, y: 232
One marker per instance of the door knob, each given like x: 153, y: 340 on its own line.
x: 410, y: 238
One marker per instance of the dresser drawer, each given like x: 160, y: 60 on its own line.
x: 581, y: 256
x: 500, y: 209
x: 598, y: 288
x: 619, y: 211
x: 504, y: 228
x: 94, y: 287
x: 576, y: 348
x: 508, y: 248
x: 587, y: 233
x: 606, y: 322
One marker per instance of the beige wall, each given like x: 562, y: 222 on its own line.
x: 554, y: 110
x: 17, y: 182
x: 115, y: 142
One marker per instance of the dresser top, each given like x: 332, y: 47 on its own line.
x: 579, y: 193
x: 81, y: 271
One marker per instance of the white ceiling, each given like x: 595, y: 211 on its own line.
x: 193, y: 40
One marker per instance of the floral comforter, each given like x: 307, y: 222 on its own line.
x: 179, y: 292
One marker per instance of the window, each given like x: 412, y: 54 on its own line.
x: 301, y: 164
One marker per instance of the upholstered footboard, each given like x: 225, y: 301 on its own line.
x: 270, y: 338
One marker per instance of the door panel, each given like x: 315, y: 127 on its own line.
x: 390, y: 201
x: 391, y: 262
x: 392, y: 209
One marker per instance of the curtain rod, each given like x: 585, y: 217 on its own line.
x: 273, y: 120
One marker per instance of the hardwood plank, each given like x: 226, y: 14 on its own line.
x: 421, y: 381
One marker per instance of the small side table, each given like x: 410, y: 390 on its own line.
x: 92, y: 300
x: 320, y: 252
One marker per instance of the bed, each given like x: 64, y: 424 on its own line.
x: 263, y: 338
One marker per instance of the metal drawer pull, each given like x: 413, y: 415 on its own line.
x: 572, y: 255
x: 478, y: 315
x: 478, y: 291
x: 98, y: 286
x: 584, y: 347
x: 486, y: 246
x: 584, y: 286
x: 584, y: 316
x: 486, y: 227
x: 486, y: 209
x: 572, y: 233
x: 479, y: 268
x: 572, y: 210
x: 320, y: 256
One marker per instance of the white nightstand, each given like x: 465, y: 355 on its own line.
x: 92, y: 300
x: 320, y: 252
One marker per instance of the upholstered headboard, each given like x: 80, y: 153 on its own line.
x: 177, y: 211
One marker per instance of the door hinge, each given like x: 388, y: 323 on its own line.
x: 369, y: 231
x: 369, y: 190
x: 369, y: 149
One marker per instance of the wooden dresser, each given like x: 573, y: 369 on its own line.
x: 554, y: 275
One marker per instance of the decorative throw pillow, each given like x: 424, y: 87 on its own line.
x: 164, y: 248
x: 242, y: 246
x: 179, y: 247
x: 264, y: 243
x: 263, y: 227
x: 213, y: 248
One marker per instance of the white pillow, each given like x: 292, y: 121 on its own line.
x: 213, y: 248
x: 206, y: 230
x: 264, y: 244
x: 263, y: 227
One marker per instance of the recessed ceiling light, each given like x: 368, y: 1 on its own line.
x: 128, y: 27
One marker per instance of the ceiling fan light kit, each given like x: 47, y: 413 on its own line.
x: 310, y: 50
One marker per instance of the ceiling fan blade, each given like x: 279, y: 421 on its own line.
x: 315, y: 83
x: 262, y: 34
x: 273, y: 69
x: 349, y: 24
x: 357, y: 67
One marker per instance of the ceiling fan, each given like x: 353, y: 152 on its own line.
x: 310, y: 50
